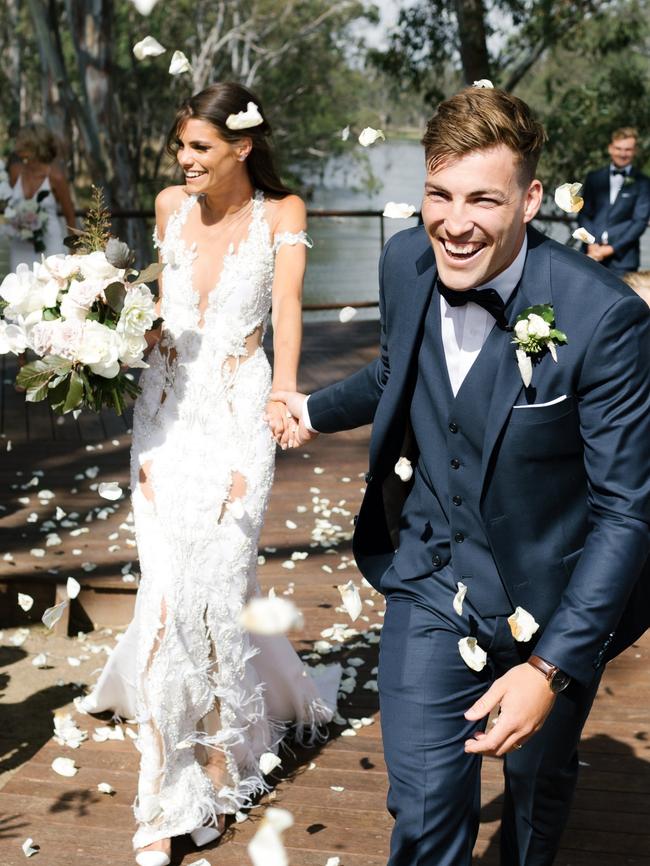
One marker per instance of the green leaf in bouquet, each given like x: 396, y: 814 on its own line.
x: 57, y: 394
x: 43, y: 194
x: 51, y: 313
x: 115, y: 294
x: 118, y: 254
x: 32, y: 376
x: 150, y: 273
x: 75, y: 394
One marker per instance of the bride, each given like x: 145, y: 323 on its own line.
x: 209, y: 697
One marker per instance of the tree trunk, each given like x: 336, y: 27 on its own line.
x: 471, y: 32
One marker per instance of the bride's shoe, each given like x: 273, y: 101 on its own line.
x: 204, y: 835
x: 154, y: 858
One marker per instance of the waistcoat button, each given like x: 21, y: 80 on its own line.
x: 459, y: 537
x: 453, y: 427
x: 436, y: 560
x: 367, y: 477
x: 457, y: 500
x: 455, y: 463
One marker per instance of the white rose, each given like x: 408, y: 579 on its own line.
x: 66, y: 338
x: 131, y: 348
x: 12, y: 338
x: 537, y: 327
x: 61, y: 267
x: 20, y: 291
x: 95, y: 266
x: 138, y: 313
x: 40, y: 338
x: 71, y: 310
x: 99, y: 349
x: 86, y: 292
x: 521, y: 330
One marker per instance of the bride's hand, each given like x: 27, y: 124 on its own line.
x: 276, y: 417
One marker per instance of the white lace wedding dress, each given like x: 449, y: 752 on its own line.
x: 193, y: 678
x: 23, y: 251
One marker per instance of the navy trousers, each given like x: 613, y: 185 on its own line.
x: 424, y: 690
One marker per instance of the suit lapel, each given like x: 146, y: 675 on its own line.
x: 534, y: 288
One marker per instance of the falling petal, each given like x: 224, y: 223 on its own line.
x: 38, y: 552
x: 472, y: 654
x: 245, y: 119
x: 266, y: 847
x: 581, y: 234
x: 351, y: 599
x: 369, y: 136
x: 110, y: 490
x: 148, y: 47
x: 567, y: 198
x: 337, y: 788
x: 525, y: 367
x: 53, y: 614
x: 290, y: 524
x: 484, y: 82
x: 346, y: 314
x: 25, y: 601
x: 270, y: 616
x: 40, y: 661
x: 105, y: 788
x: 29, y: 847
x: 398, y: 210
x: 59, y: 514
x: 268, y: 762
x: 72, y: 587
x: 144, y: 7
x: 333, y: 861
x: 522, y: 625
x: 65, y: 767
x: 179, y: 64
x: 459, y: 598
x: 345, y: 133
x: 404, y: 469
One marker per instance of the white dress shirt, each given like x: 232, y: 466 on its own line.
x: 616, y: 181
x: 465, y: 329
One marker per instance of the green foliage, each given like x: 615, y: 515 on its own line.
x: 97, y: 225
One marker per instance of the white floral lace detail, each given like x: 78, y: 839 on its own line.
x: 202, y: 682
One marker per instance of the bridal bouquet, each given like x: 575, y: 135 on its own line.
x: 26, y: 220
x: 85, y: 317
x: 5, y: 189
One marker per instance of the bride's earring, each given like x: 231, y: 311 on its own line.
x: 241, y: 157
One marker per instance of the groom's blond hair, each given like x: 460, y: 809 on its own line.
x: 480, y: 118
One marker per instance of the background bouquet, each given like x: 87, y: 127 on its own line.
x: 85, y: 316
x: 5, y: 189
x: 26, y: 220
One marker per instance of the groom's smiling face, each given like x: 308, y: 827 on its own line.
x: 475, y: 210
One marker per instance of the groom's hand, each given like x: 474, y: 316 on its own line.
x: 525, y: 700
x: 294, y: 402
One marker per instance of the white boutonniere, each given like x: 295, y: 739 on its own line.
x: 534, y: 334
x: 628, y: 180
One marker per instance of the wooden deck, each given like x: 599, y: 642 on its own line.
x: 74, y: 825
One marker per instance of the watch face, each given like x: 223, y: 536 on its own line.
x: 559, y: 682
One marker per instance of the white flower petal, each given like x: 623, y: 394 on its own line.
x: 148, y: 47
x: 369, y: 136
x: 266, y: 847
x: 459, y: 598
x: 398, y: 210
x: 25, y: 601
x: 270, y: 616
x: 53, y: 614
x: 345, y: 133
x: 179, y: 64
x: 144, y: 7
x: 346, y: 314
x: 525, y: 367
x: 38, y: 552
x: 65, y: 767
x: 110, y: 490
x: 40, y: 661
x: 245, y: 119
x: 567, y: 198
x: 268, y: 762
x: 484, y: 82
x: 351, y: 599
x: 552, y: 349
x: 404, y: 469
x: 522, y: 625
x: 72, y: 587
x: 29, y: 847
x: 581, y: 234
x: 333, y: 861
x: 472, y: 654
x: 105, y: 788
x: 337, y: 788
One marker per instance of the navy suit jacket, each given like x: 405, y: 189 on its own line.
x: 624, y: 221
x: 565, y: 487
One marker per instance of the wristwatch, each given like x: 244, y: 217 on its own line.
x: 556, y: 678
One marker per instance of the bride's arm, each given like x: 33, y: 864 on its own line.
x: 166, y: 202
x: 61, y: 192
x: 286, y: 313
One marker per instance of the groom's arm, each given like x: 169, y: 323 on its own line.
x: 614, y: 406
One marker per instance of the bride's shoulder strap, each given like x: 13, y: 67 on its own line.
x: 289, y: 225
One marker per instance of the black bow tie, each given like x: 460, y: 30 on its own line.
x: 620, y: 171
x: 489, y: 299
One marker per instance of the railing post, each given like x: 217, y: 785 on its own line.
x: 382, y: 232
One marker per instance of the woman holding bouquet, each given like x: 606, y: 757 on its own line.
x: 212, y: 699
x: 39, y: 191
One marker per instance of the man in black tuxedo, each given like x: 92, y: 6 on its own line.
x: 505, y: 463
x: 617, y: 206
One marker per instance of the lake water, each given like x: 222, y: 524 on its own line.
x: 342, y: 266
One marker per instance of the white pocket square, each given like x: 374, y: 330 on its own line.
x: 541, y: 405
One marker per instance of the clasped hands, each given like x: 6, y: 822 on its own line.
x: 599, y: 252
x: 284, y: 417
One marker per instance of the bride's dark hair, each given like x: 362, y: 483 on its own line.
x: 213, y: 105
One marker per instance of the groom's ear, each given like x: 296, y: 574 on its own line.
x: 533, y: 203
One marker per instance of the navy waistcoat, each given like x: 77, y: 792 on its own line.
x: 441, y: 521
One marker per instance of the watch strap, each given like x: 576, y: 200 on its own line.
x: 545, y: 668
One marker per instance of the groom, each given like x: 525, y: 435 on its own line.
x: 531, y: 496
